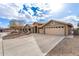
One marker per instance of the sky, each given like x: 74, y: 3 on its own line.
x: 38, y: 12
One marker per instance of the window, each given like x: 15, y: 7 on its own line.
x: 59, y: 26
x: 62, y: 26
x: 56, y: 27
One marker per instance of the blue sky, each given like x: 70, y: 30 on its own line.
x: 34, y: 12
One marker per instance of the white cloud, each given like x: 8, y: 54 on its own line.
x: 10, y: 11
x: 38, y: 1
x: 76, y: 18
x: 22, y: 1
x: 71, y: 19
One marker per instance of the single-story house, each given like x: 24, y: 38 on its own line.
x: 52, y: 27
x: 6, y: 30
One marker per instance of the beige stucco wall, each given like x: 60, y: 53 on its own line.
x: 66, y: 29
x: 55, y: 31
x: 41, y: 31
x: 53, y: 28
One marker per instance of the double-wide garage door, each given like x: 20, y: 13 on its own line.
x: 55, y: 31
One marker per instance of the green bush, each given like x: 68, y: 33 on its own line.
x: 76, y: 31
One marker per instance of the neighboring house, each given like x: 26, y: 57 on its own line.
x: 6, y: 30
x: 27, y: 28
x: 52, y: 27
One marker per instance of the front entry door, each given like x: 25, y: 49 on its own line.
x: 35, y: 29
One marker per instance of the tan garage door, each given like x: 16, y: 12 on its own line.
x: 54, y: 31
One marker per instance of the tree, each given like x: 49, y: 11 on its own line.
x: 16, y: 24
x: 78, y: 24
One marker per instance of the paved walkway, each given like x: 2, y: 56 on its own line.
x: 33, y: 45
x: 0, y: 46
x: 23, y: 46
x: 67, y: 47
x: 1, y: 35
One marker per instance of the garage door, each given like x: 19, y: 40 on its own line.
x: 54, y: 31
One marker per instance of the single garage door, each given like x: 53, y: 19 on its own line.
x: 55, y: 31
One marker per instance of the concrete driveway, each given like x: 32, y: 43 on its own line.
x: 67, y: 47
x: 30, y: 45
x: 47, y: 42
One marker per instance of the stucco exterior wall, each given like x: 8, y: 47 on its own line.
x: 55, y: 29
x: 41, y: 31
x: 66, y: 29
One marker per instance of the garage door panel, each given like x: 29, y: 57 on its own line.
x: 55, y: 31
